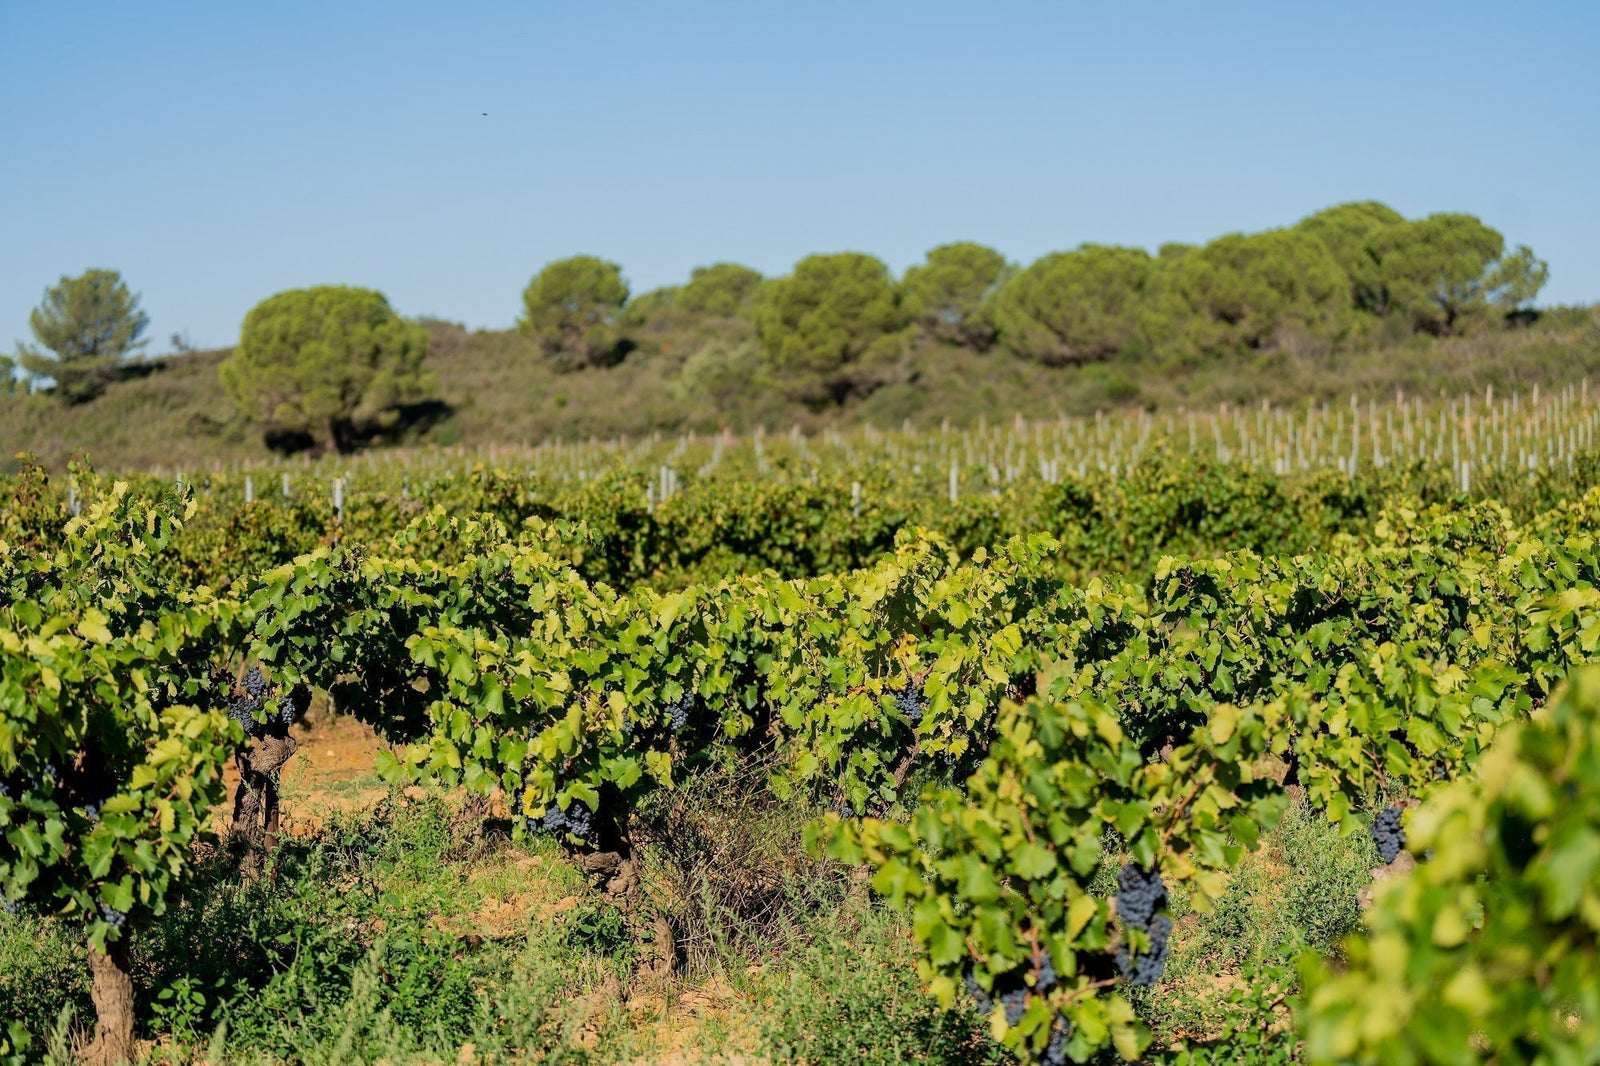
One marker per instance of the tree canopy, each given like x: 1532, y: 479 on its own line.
x: 1076, y: 307
x: 649, y: 306
x: 951, y: 294
x: 570, y: 308
x: 84, y: 328
x: 722, y: 289
x: 1255, y: 291
x: 331, y: 362
x: 1447, y: 268
x: 825, y: 324
x: 8, y: 378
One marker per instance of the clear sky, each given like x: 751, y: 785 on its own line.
x: 217, y: 153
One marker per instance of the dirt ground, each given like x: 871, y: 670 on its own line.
x: 331, y: 772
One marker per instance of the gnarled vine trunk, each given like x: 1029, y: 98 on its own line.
x: 255, y: 806
x: 615, y: 868
x: 112, y: 993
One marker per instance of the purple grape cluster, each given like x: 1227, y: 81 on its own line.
x: 1387, y: 834
x: 577, y: 820
x: 678, y: 711
x: 246, y: 704
x: 911, y: 703
x: 47, y: 775
x: 980, y: 999
x: 1015, y: 1000
x: 1055, y: 1052
x: 1047, y: 974
x: 1141, y: 895
x: 114, y: 918
x: 1009, y: 990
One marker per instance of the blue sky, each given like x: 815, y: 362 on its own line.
x: 218, y: 153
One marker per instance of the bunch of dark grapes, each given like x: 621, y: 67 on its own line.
x: 113, y: 917
x: 1055, y: 1052
x: 980, y: 999
x: 1009, y: 991
x: 253, y: 691
x: 678, y: 711
x: 254, y: 684
x: 1141, y: 894
x: 36, y: 782
x: 1047, y: 974
x: 1015, y: 1001
x: 247, y: 701
x: 1387, y: 834
x: 10, y: 907
x: 911, y: 703
x: 580, y: 821
x: 577, y: 820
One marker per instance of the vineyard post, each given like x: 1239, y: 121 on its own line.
x: 249, y: 490
x: 954, y: 475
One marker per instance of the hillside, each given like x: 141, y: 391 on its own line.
x: 496, y: 388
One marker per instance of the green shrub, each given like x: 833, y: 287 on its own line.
x: 853, y: 997
x: 87, y: 325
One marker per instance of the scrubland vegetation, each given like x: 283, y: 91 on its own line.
x: 1351, y: 299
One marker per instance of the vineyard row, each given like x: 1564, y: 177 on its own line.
x: 1040, y: 715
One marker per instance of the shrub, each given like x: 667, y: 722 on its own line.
x: 1256, y: 291
x: 1443, y: 271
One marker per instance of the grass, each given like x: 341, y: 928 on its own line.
x: 1228, y: 991
x: 390, y: 935
x: 173, y: 413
